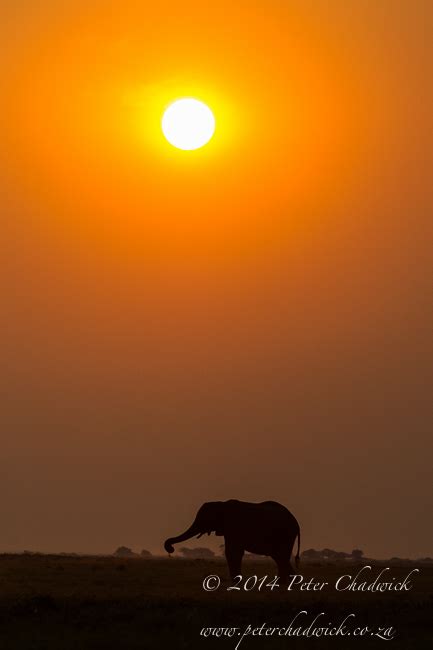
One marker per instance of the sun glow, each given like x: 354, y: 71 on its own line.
x: 188, y: 124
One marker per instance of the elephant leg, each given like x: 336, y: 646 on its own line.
x: 282, y: 560
x: 234, y: 555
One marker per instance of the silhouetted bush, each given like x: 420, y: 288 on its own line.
x: 311, y: 554
x: 124, y: 551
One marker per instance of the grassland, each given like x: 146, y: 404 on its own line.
x: 101, y: 603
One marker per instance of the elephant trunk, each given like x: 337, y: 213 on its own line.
x: 192, y: 531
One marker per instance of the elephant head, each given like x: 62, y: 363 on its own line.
x: 210, y: 518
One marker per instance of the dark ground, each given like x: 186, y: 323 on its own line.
x: 102, y: 603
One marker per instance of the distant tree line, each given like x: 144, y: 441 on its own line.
x: 309, y: 555
x: 328, y: 554
x: 124, y: 551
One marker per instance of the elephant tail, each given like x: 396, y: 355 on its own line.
x: 299, y: 545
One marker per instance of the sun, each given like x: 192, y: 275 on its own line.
x: 188, y: 124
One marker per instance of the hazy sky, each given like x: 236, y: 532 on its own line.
x: 252, y: 321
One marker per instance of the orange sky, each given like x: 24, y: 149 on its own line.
x: 248, y: 320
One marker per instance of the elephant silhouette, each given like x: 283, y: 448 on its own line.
x: 266, y: 528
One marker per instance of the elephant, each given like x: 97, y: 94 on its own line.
x: 266, y: 528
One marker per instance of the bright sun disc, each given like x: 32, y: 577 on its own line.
x: 188, y: 124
